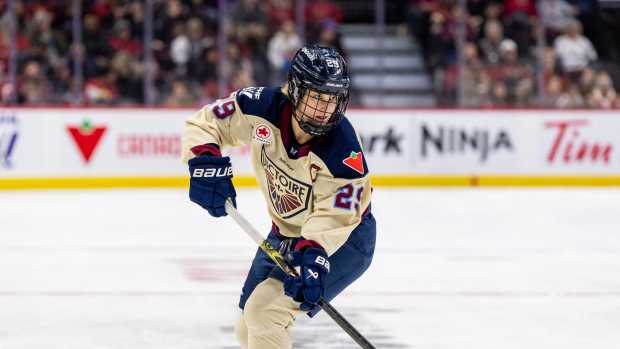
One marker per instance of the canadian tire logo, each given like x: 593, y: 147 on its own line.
x: 86, y: 137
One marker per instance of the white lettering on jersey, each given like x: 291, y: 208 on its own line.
x: 252, y: 92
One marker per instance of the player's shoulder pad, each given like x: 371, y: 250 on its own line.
x: 341, y: 151
x: 259, y: 101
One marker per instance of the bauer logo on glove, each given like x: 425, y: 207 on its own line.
x: 211, y: 183
x: 212, y: 172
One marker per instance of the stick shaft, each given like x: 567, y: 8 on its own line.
x: 275, y: 255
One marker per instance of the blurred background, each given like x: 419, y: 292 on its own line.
x: 401, y: 53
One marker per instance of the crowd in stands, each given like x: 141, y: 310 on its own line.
x: 261, y: 39
x: 500, y: 54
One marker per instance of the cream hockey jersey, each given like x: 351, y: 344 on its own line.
x: 318, y: 190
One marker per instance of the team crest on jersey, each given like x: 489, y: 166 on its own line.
x: 262, y: 134
x: 288, y: 195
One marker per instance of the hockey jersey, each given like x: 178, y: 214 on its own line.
x: 318, y: 190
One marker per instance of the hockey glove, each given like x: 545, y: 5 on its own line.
x: 210, y: 183
x: 309, y: 287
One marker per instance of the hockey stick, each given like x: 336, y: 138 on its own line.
x: 275, y: 255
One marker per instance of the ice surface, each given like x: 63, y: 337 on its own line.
x: 454, y: 268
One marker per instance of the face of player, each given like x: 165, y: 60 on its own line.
x: 316, y: 107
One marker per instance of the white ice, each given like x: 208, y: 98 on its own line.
x: 454, y: 268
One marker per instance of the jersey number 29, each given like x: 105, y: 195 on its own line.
x: 349, y: 197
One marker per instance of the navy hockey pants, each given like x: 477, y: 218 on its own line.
x: 348, y: 263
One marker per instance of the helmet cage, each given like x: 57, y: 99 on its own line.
x: 312, y: 120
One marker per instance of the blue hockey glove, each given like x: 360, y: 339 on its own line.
x: 210, y: 183
x: 309, y: 287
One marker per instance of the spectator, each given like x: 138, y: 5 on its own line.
x: 493, y: 36
x: 557, y: 14
x: 199, y: 43
x: 122, y: 41
x: 474, y: 24
x: 574, y: 51
x: 61, y: 84
x: 571, y: 99
x: 167, y: 19
x: 135, y: 16
x: 527, y: 7
x: 320, y: 10
x: 418, y: 21
x: 603, y: 95
x: 494, y: 10
x: 586, y: 83
x: 317, y: 12
x: 442, y: 38
x: 282, y: 47
x: 33, y: 86
x: 475, y: 8
x: 102, y: 89
x: 6, y: 89
x: 252, y: 34
x: 129, y: 78
x: 43, y: 35
x: 589, y: 15
x: 280, y: 11
x: 241, y: 79
x: 208, y: 73
x: 251, y: 24
x: 180, y: 96
x: 97, y: 49
x: 553, y: 91
x: 187, y: 57
x: 180, y: 51
x: 499, y: 95
x: 330, y: 37
x: 516, y: 77
x: 550, y: 67
x: 238, y: 68
x: 475, y: 80
x: 519, y: 19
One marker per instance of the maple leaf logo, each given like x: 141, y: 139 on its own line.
x: 86, y: 137
x: 354, y: 161
x: 263, y: 132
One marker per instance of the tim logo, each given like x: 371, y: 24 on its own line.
x: 570, y: 146
x: 288, y: 196
x: 8, y: 138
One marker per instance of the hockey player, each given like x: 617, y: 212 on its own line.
x: 311, y: 169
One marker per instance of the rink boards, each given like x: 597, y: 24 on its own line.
x: 129, y: 147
